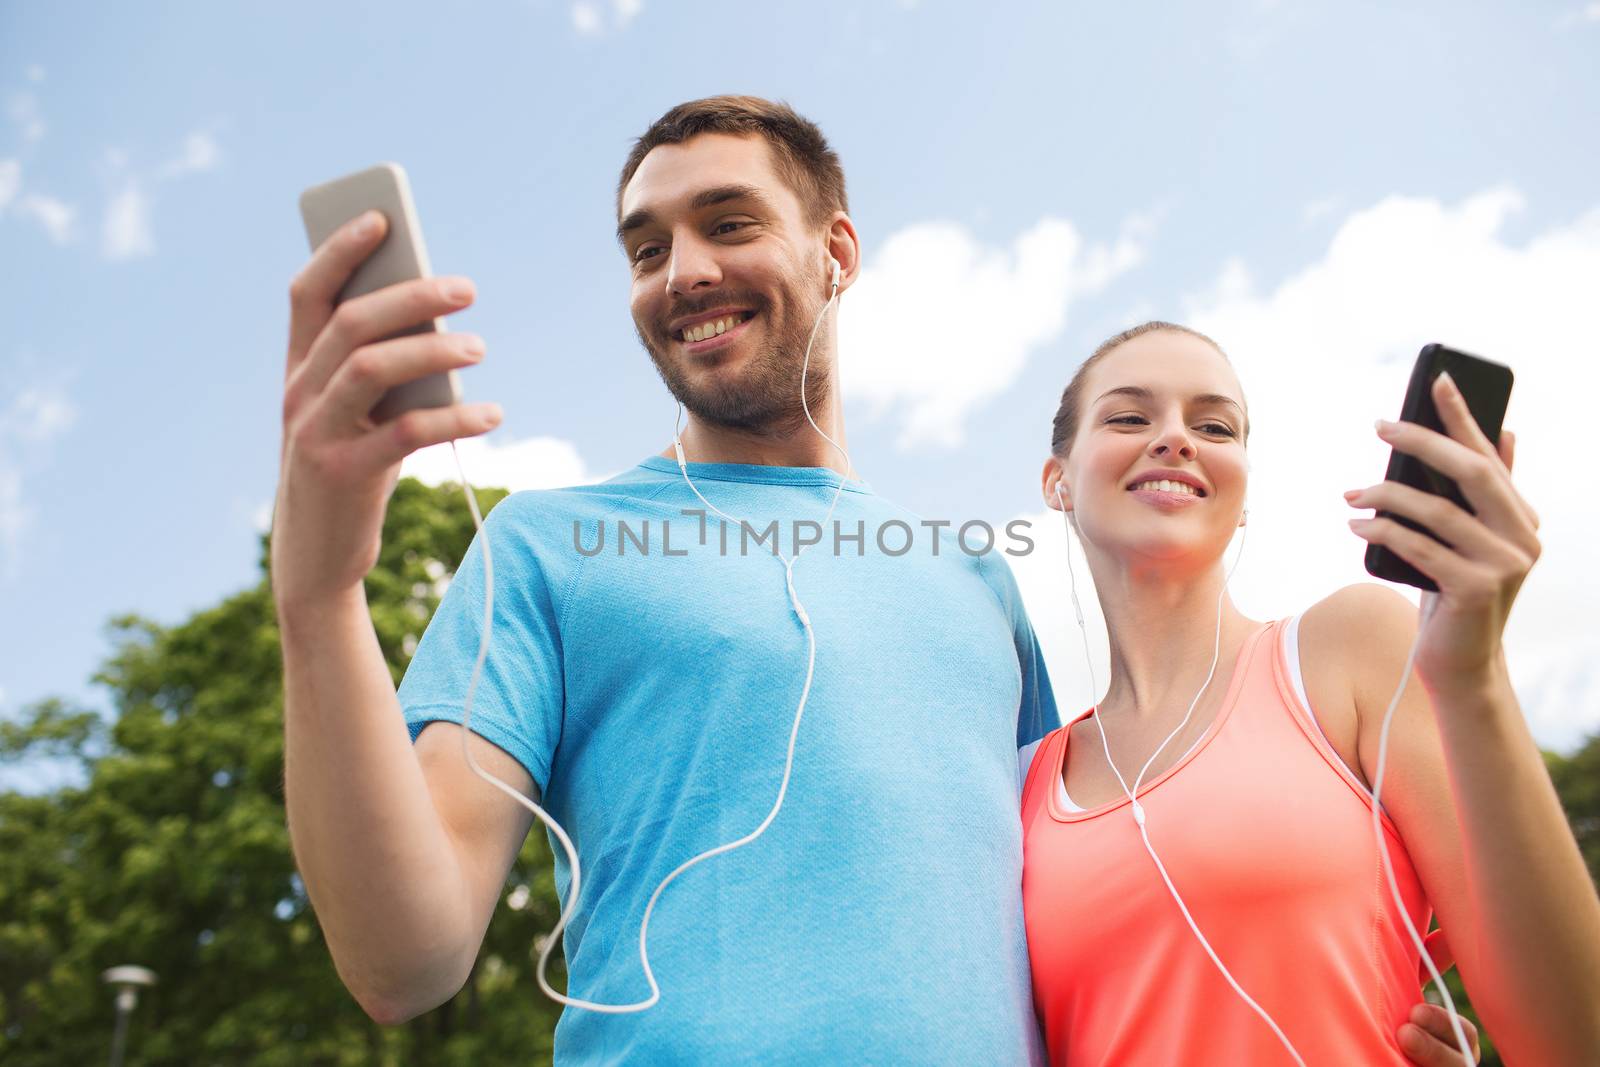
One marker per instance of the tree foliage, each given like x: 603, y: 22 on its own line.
x: 174, y: 854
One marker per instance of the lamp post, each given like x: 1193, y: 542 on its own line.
x: 127, y: 980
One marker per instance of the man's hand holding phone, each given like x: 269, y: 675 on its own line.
x: 338, y: 466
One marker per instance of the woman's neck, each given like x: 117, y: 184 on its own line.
x: 1163, y: 631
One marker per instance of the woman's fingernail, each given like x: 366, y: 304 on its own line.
x: 1384, y: 426
x: 365, y: 225
x: 1449, y: 382
x: 1351, y: 494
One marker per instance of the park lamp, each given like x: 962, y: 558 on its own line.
x: 126, y: 979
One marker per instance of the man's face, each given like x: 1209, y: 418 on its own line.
x: 727, y: 281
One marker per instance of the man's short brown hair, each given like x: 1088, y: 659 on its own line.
x: 799, y: 151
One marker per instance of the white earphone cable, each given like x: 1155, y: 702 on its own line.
x: 1430, y: 601
x: 1133, y: 800
x: 550, y: 941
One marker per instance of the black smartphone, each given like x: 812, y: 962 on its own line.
x: 1486, y: 385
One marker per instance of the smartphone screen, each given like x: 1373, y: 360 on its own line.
x: 401, y: 257
x: 1486, y: 386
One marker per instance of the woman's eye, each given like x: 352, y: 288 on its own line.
x: 1127, y: 420
x: 723, y: 228
x: 1218, y: 429
x: 647, y: 252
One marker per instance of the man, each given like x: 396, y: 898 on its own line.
x: 645, y: 691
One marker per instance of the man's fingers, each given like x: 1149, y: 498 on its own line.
x: 361, y: 380
x: 397, y: 439
x: 1427, y: 1039
x: 314, y: 289
x: 392, y: 310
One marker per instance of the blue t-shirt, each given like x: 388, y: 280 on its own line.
x: 649, y: 688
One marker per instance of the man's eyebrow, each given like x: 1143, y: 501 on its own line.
x: 1139, y: 392
x: 720, y: 194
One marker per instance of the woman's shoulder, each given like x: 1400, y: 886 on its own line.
x: 1357, y: 628
x: 1351, y: 644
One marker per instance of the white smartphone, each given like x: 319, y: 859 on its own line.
x: 401, y: 257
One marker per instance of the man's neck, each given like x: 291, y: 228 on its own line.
x: 703, y: 443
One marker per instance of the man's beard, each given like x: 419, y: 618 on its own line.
x: 764, y: 397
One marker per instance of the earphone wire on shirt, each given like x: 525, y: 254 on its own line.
x: 1429, y: 602
x: 547, y: 946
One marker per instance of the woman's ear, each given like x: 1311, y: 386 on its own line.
x: 1057, y: 494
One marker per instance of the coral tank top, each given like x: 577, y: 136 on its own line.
x: 1268, y: 837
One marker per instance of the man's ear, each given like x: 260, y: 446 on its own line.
x: 843, y: 246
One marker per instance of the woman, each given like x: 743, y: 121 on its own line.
x: 1258, y: 804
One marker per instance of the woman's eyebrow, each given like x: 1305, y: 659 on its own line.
x: 1139, y: 392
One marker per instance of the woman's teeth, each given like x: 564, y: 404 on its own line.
x: 702, y: 330
x: 1168, y: 487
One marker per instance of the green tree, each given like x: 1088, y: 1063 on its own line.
x: 173, y: 853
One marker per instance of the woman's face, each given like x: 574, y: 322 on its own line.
x: 1157, y: 470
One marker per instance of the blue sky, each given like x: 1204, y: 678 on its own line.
x: 1322, y: 186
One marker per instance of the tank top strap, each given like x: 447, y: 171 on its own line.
x: 1279, y: 672
x: 1041, y: 772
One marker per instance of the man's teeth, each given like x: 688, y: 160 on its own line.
x: 1165, y: 486
x: 700, y: 331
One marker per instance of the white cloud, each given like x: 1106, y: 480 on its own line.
x: 996, y: 307
x: 589, y: 17
x: 24, y: 111
x: 1578, y: 15
x: 10, y: 181
x: 1330, y: 348
x: 586, y: 17
x: 200, y: 153
x: 127, y: 225
x: 58, y: 218
x: 530, y: 463
x: 36, y: 416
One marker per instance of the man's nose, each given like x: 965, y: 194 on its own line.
x: 694, y: 267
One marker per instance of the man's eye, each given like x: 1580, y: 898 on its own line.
x: 647, y: 252
x: 724, y: 228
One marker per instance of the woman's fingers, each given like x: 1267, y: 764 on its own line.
x: 1483, y: 478
x: 1439, y: 562
x: 1463, y: 427
x: 371, y: 371
x: 1461, y: 530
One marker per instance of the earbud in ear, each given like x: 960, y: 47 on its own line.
x: 834, y: 283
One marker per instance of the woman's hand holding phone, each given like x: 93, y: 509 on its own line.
x: 338, y: 467
x: 1489, y: 550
